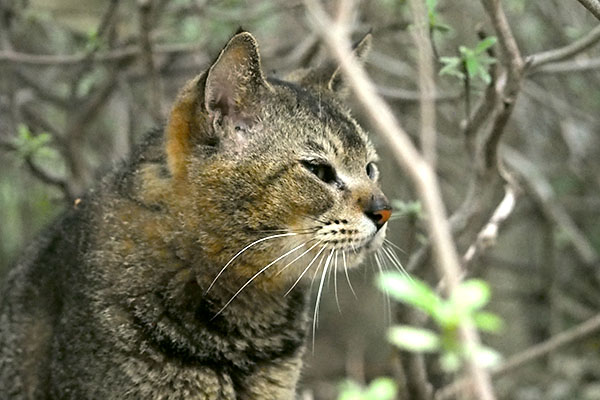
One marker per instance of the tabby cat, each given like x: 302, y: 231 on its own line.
x: 184, y: 274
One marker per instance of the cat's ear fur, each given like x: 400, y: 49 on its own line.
x: 329, y: 77
x: 225, y: 95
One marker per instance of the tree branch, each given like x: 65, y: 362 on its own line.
x: 536, y: 60
x: 531, y: 354
x: 334, y: 34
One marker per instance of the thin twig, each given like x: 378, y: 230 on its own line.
x: 531, y: 354
x: 117, y: 55
x: 488, y: 235
x: 426, y: 81
x: 536, y: 60
x: 155, y: 93
x: 334, y: 34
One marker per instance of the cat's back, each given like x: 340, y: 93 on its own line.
x: 32, y: 297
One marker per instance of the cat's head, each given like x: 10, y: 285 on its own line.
x: 276, y: 167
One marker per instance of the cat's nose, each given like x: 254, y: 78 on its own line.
x: 378, y: 210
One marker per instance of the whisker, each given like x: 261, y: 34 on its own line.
x: 316, y: 272
x: 305, y: 270
x: 346, y: 272
x: 243, y: 250
x: 387, y: 306
x: 257, y: 274
x: 318, y: 301
x: 395, y: 262
x: 335, y: 272
x: 394, y: 245
x: 300, y: 256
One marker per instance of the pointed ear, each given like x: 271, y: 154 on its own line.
x: 360, y: 50
x: 227, y: 92
x: 329, y: 76
x: 235, y: 79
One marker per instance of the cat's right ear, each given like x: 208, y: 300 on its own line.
x: 227, y: 93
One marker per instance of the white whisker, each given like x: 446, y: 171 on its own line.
x: 318, y: 301
x: 391, y: 255
x: 305, y: 270
x: 394, y: 245
x: 257, y: 274
x: 299, y: 257
x: 346, y: 272
x: 335, y: 272
x: 387, y: 306
x: 243, y: 250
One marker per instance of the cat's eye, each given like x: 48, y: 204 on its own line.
x: 372, y: 171
x: 323, y: 171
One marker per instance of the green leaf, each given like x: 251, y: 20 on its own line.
x: 414, y: 339
x: 472, y: 65
x: 485, y: 44
x: 410, y: 291
x: 471, y: 295
x: 488, y: 322
x: 381, y: 389
x: 452, y: 67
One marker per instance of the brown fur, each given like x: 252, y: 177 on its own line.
x: 127, y: 296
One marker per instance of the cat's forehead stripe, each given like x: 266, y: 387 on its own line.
x: 346, y: 129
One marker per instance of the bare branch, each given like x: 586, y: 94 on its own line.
x: 531, y: 354
x: 488, y: 235
x: 40, y: 173
x: 155, y: 93
x: 536, y: 60
x: 421, y: 173
x: 117, y: 55
x: 593, y: 6
x: 426, y: 81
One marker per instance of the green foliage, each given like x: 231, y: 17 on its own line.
x: 28, y: 144
x: 465, y: 304
x: 435, y: 23
x: 474, y: 61
x: 379, y: 389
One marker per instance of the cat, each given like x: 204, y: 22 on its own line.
x: 184, y: 273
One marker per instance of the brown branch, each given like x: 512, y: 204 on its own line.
x: 488, y: 235
x: 414, y: 96
x: 531, y: 354
x: 593, y: 6
x: 117, y: 55
x: 536, y: 60
x: 155, y: 92
x: 334, y: 34
x: 40, y: 173
x: 426, y: 81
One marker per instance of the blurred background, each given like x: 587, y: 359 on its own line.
x: 82, y: 81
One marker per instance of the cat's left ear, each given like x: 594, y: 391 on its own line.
x: 329, y: 76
